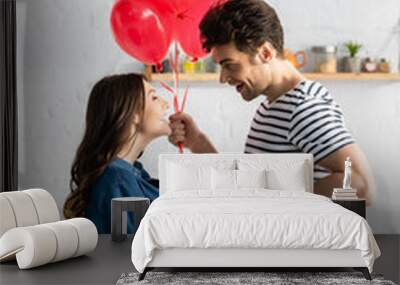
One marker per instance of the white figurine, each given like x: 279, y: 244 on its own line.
x: 347, y: 174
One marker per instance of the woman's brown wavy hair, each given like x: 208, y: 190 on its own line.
x: 113, y: 102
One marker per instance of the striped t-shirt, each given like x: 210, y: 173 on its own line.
x: 305, y: 119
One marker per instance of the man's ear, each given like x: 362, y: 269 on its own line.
x: 266, y: 52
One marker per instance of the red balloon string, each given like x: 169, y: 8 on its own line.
x: 176, y: 104
x: 184, y: 99
x: 176, y: 81
x: 166, y: 86
x: 171, y: 63
x: 176, y: 68
x: 174, y: 63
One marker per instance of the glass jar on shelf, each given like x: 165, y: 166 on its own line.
x: 325, y: 59
x: 209, y: 65
x: 189, y: 66
x: 199, y: 66
x: 384, y: 66
x: 370, y: 65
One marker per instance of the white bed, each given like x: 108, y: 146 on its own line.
x: 215, y: 225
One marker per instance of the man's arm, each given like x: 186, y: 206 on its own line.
x: 361, y: 179
x: 185, y: 131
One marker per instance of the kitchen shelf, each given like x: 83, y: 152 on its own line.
x: 313, y: 76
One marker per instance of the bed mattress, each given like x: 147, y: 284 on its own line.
x: 250, y: 219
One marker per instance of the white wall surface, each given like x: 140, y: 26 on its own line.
x: 65, y: 46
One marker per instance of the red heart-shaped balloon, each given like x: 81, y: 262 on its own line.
x: 145, y: 28
x: 189, y: 14
x: 140, y: 31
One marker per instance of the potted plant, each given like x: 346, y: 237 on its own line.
x: 353, y: 62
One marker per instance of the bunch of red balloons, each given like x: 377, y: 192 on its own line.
x: 145, y: 28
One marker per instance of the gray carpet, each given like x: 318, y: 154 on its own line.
x: 243, y: 278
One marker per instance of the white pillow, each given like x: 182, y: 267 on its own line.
x: 226, y: 179
x: 281, y: 175
x: 181, y: 177
x: 291, y: 179
x: 223, y: 179
x: 251, y: 178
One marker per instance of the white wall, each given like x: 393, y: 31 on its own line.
x: 65, y: 46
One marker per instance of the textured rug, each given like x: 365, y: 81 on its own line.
x: 244, y: 278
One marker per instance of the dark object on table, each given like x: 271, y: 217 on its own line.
x: 119, y: 206
x: 357, y: 206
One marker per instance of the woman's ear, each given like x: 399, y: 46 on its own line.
x: 136, y: 119
x: 135, y: 124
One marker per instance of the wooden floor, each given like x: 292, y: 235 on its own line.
x: 389, y: 262
x: 111, y: 259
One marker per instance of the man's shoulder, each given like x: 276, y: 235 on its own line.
x: 310, y: 93
x: 308, y: 90
x: 306, y: 95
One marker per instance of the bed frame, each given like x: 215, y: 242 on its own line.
x: 250, y: 259
x: 246, y: 259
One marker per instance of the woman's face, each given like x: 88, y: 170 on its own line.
x: 155, y: 122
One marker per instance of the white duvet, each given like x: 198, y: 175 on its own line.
x: 254, y: 218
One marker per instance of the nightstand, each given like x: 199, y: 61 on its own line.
x: 357, y: 206
x: 119, y: 206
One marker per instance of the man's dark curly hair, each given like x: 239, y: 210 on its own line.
x: 248, y: 23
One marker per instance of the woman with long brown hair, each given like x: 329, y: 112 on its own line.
x: 123, y: 116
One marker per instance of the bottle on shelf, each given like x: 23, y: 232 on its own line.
x: 325, y: 59
x: 384, y: 66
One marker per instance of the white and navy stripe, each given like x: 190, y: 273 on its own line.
x: 305, y: 119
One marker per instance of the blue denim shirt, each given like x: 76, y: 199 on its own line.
x: 119, y: 179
